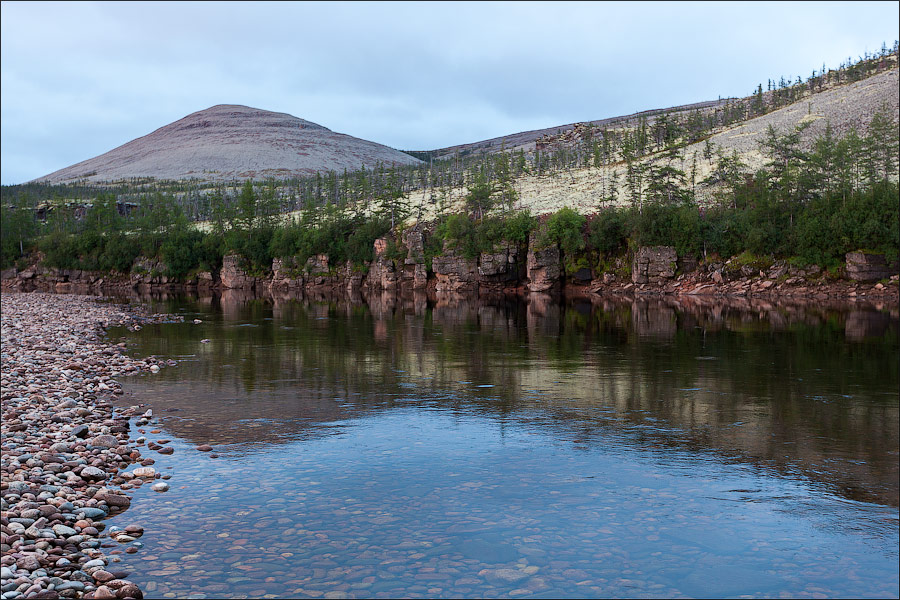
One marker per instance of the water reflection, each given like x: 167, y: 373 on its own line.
x: 809, y: 391
x: 391, y: 446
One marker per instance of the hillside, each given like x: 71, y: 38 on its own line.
x: 526, y: 140
x: 843, y: 106
x: 228, y: 142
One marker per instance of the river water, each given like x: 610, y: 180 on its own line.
x: 416, y: 448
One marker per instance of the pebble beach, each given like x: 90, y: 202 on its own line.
x: 67, y: 460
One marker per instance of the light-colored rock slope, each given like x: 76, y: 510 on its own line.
x: 232, y: 142
x: 845, y: 106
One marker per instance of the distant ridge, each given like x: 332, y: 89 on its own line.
x: 228, y: 142
x: 526, y: 139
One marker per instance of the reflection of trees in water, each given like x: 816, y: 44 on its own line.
x: 762, y: 380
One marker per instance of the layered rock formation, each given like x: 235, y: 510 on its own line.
x: 865, y: 266
x: 508, y: 268
x: 543, y: 266
x: 455, y: 273
x: 415, y: 271
x: 233, y: 275
x: 654, y: 264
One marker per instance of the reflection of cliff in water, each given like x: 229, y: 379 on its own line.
x: 810, y: 390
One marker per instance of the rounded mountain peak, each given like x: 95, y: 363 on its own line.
x: 230, y: 141
x: 245, y: 117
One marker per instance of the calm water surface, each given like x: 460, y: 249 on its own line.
x: 441, y: 449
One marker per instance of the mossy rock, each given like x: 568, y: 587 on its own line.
x: 748, y: 259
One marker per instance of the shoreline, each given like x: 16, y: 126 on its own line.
x: 66, y: 447
x: 689, y: 285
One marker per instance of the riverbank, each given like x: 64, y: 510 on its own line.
x: 775, y: 284
x: 65, y: 448
x: 772, y: 286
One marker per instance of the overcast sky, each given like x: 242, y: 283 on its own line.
x: 80, y: 79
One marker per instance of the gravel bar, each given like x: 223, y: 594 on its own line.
x: 65, y: 449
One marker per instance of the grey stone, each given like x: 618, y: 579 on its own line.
x: 63, y: 531
x: 654, y: 265
x: 90, y: 512
x: 93, y: 473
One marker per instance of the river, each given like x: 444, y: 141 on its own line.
x: 588, y: 448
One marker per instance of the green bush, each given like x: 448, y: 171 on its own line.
x: 678, y: 225
x: 341, y: 237
x: 608, y: 231
x: 183, y: 252
x: 767, y: 227
x: 360, y: 247
x: 721, y: 232
x: 470, y: 238
x: 564, y: 227
x: 60, y: 250
x: 518, y: 227
x: 748, y: 259
x: 253, y: 246
x: 119, y: 252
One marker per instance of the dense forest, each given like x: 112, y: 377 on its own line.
x: 811, y: 204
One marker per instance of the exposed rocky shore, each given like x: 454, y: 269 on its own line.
x: 65, y: 448
x: 508, y: 269
x: 655, y: 274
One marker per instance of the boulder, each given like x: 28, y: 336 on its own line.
x: 88, y: 473
x: 113, y: 499
x: 654, y: 265
x: 104, y: 441
x: 865, y: 266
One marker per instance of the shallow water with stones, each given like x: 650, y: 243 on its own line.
x: 607, y: 449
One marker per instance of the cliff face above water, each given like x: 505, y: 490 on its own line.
x: 228, y: 142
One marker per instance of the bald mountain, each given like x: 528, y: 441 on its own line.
x: 228, y: 142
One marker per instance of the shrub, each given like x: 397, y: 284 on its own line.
x: 183, y: 252
x: 360, y: 247
x: 748, y: 259
x: 564, y: 227
x: 518, y: 227
x: 608, y: 230
x: 17, y: 231
x: 119, y: 252
x: 60, y: 250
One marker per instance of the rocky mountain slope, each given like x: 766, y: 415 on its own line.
x: 526, y: 140
x: 228, y: 142
x: 844, y: 107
